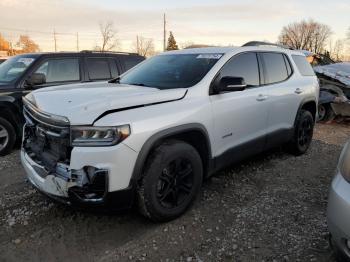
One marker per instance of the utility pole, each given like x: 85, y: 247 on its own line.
x: 137, y: 44
x: 77, y: 41
x: 11, y: 49
x: 164, y: 33
x: 55, y: 39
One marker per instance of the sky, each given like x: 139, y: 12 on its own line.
x: 214, y: 22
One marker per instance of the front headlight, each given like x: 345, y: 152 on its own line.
x: 344, y: 162
x: 98, y: 136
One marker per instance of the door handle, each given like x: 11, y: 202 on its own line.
x: 298, y: 91
x: 261, y: 97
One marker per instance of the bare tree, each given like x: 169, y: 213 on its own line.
x: 307, y: 34
x: 109, y: 37
x: 27, y: 45
x: 144, y: 46
x: 337, y: 50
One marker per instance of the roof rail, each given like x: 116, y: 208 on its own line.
x: 259, y: 43
x: 113, y: 52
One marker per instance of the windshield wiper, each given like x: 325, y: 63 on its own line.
x: 115, y: 80
x: 138, y: 84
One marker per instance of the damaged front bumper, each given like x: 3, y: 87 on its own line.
x: 74, y: 175
x: 65, y: 185
x: 59, y: 187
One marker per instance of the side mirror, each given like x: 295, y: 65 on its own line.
x: 231, y: 84
x: 36, y: 79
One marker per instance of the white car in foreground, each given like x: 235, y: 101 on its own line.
x: 157, y: 131
x: 338, y: 212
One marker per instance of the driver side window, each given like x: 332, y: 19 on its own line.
x: 243, y: 65
x: 60, y: 70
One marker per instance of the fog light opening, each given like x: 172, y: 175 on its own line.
x: 348, y: 244
x: 93, y: 184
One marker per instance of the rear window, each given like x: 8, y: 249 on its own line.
x: 303, y: 65
x: 98, y: 69
x: 276, y: 68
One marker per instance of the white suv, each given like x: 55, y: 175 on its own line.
x: 156, y: 132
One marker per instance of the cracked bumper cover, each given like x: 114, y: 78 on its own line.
x: 110, y: 162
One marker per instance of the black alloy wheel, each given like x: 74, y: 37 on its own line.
x: 175, y: 183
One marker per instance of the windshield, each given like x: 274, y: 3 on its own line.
x: 12, y: 69
x: 171, y: 71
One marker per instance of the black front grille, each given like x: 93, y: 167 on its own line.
x: 46, y: 143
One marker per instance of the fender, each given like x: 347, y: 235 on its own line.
x: 302, y: 103
x: 9, y: 99
x: 154, y: 139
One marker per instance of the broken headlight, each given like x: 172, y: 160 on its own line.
x: 344, y: 162
x: 98, y: 136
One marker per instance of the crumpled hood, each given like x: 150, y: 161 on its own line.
x: 84, y: 103
x: 338, y: 71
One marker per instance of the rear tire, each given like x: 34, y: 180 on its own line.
x: 7, y: 136
x: 171, y: 181
x: 303, y: 132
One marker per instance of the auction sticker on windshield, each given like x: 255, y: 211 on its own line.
x: 209, y: 56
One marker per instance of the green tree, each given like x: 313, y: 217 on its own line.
x: 172, y: 45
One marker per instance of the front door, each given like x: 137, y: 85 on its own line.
x: 240, y: 118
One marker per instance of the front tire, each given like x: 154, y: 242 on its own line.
x: 171, y: 181
x: 7, y: 136
x: 303, y: 132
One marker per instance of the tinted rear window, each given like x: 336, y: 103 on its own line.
x: 276, y: 70
x: 303, y: 65
x: 98, y: 69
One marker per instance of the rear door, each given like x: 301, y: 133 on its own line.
x: 240, y: 118
x: 129, y: 61
x: 283, y: 92
x: 100, y: 69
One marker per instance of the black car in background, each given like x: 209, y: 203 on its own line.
x: 21, y: 74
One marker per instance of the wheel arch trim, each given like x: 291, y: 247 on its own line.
x: 302, y: 104
x: 152, y: 141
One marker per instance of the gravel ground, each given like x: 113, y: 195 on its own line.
x: 270, y: 208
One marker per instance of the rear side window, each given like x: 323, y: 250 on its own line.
x: 130, y: 62
x: 98, y: 69
x: 303, y: 65
x: 244, y: 65
x: 275, y: 68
